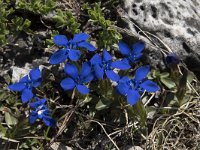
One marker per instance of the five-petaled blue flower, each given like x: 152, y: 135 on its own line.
x: 77, y: 80
x: 69, y: 49
x: 133, y: 87
x: 106, y: 65
x: 40, y: 110
x: 131, y: 55
x: 26, y: 84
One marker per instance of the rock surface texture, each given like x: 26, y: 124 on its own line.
x: 177, y: 23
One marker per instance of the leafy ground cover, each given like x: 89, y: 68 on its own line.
x: 95, y: 91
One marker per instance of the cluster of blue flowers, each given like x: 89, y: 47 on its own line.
x: 97, y: 67
x: 38, y: 108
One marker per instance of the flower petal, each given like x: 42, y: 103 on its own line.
x: 58, y: 57
x: 33, y: 116
x: 68, y: 84
x: 43, y: 112
x: 71, y: 70
x: 26, y: 95
x: 141, y: 73
x: 19, y: 86
x: 172, y: 59
x: 112, y: 75
x: 49, y: 121
x: 124, y: 79
x: 83, y: 89
x: 80, y: 37
x: 37, y: 103
x: 106, y: 55
x: 86, y: 69
x: 35, y: 74
x: 124, y: 49
x: 60, y: 40
x: 88, y: 78
x: 132, y: 97
x: 122, y: 88
x: 42, y: 101
x: 24, y: 79
x: 120, y: 64
x: 87, y: 45
x: 126, y: 60
x: 99, y: 72
x: 135, y: 57
x: 37, y: 83
x: 74, y: 55
x: 149, y: 86
x: 138, y: 47
x: 96, y: 59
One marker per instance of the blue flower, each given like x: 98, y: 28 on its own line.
x: 75, y: 79
x: 133, y: 87
x: 172, y: 59
x: 26, y: 84
x: 131, y: 55
x: 40, y: 110
x: 106, y: 65
x: 69, y: 50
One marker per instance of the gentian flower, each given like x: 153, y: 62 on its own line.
x: 133, y: 55
x: 40, y: 110
x: 26, y: 84
x: 77, y: 80
x: 172, y: 59
x: 105, y: 65
x: 69, y: 50
x: 133, y: 87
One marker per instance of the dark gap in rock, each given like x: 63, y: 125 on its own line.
x: 138, y: 1
x: 190, y: 31
x: 134, y: 5
x: 171, y: 15
x: 186, y: 47
x: 142, y: 7
x: 135, y: 12
x: 167, y: 34
x: 193, y: 64
x: 167, y: 21
x: 154, y: 11
x: 126, y: 10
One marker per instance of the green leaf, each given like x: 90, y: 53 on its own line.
x: 151, y: 111
x: 3, y: 95
x: 103, y: 104
x: 87, y: 99
x: 107, y: 35
x: 26, y: 23
x: 164, y: 75
x: 10, y: 120
x: 141, y: 112
x: 190, y: 76
x: 185, y: 99
x: 2, y: 130
x: 168, y: 82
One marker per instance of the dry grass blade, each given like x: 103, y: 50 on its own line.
x: 178, y: 131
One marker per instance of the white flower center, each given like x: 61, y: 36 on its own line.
x: 40, y: 112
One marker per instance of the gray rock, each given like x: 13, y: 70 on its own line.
x: 177, y: 23
x: 18, y: 73
x: 23, y: 52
